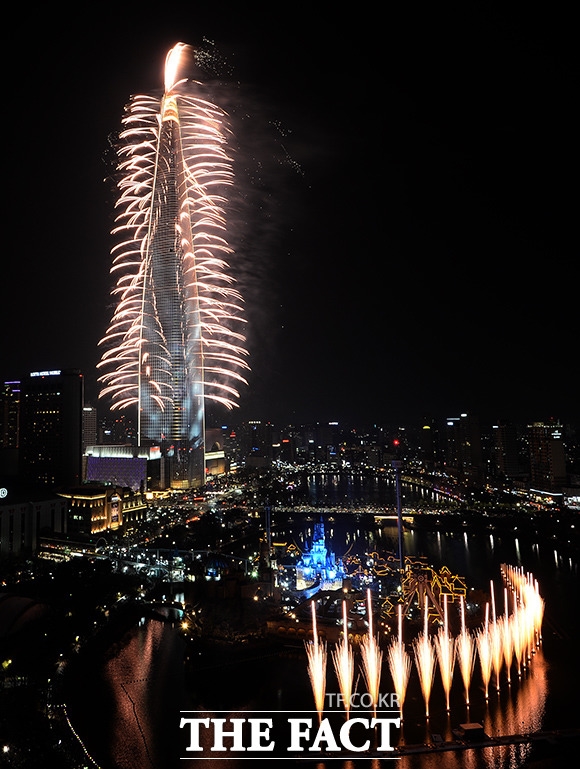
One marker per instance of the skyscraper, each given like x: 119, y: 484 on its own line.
x: 463, y: 451
x: 51, y: 428
x: 9, y: 415
x: 9, y: 428
x: 547, y: 457
x: 175, y: 339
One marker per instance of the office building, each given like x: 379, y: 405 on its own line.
x: 547, y: 457
x: 51, y: 409
x: 463, y: 449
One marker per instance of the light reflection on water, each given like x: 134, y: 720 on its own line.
x: 125, y: 708
x: 139, y: 696
x: 140, y: 692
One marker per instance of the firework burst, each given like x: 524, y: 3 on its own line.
x: 372, y: 658
x: 465, y: 651
x: 343, y: 660
x: 399, y: 664
x: 425, y: 660
x: 317, y: 655
x: 176, y: 335
x: 445, y: 648
x: 485, y: 652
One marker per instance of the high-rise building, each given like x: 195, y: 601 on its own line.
x: 9, y: 428
x: 506, y: 452
x: 9, y: 415
x: 256, y: 441
x: 463, y: 451
x: 90, y: 426
x: 175, y: 339
x: 51, y: 433
x: 547, y: 457
x: 428, y: 443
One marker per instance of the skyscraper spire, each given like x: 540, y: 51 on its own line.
x: 176, y: 336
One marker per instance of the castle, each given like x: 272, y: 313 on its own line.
x: 319, y: 568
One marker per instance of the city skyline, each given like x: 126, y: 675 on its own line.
x: 407, y: 247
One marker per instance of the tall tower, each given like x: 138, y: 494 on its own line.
x: 547, y: 456
x: 51, y: 428
x: 9, y: 415
x: 9, y: 428
x: 175, y: 339
x: 463, y: 451
x: 506, y: 452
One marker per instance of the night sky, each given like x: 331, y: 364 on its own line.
x: 406, y: 181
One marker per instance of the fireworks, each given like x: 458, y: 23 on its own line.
x: 425, y: 660
x: 372, y: 657
x: 317, y: 655
x: 343, y: 659
x: 507, y: 644
x: 465, y: 653
x: 485, y: 653
x: 399, y: 663
x: 175, y: 338
x: 500, y: 641
x: 445, y: 648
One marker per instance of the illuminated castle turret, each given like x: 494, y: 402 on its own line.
x: 319, y: 566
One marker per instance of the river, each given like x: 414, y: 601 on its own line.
x: 126, y: 707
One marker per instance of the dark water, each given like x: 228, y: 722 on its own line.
x: 350, y: 490
x: 126, y: 709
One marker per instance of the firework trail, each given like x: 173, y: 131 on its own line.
x: 445, y: 648
x: 465, y: 651
x: 372, y: 658
x: 425, y: 660
x: 176, y: 335
x: 496, y: 638
x: 508, y: 645
x: 528, y: 606
x: 316, y: 654
x: 539, y: 608
x: 484, y: 652
x: 518, y: 636
x: 343, y: 660
x: 507, y: 640
x: 399, y: 663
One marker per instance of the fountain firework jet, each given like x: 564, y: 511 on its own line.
x: 484, y: 651
x: 425, y: 660
x: 507, y: 640
x: 539, y: 606
x: 175, y: 339
x: 492, y: 590
x: 316, y: 654
x: 496, y: 638
x: 399, y: 663
x: 527, y: 599
x: 517, y: 635
x: 527, y: 617
x: 507, y: 644
x: 372, y: 658
x: 465, y: 653
x: 445, y: 647
x: 343, y: 659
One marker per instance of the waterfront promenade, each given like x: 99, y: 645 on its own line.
x: 565, y: 738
